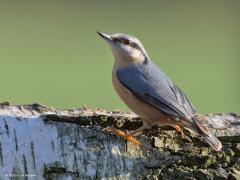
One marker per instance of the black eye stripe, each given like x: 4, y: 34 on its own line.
x: 127, y: 42
x: 135, y: 45
x: 121, y: 40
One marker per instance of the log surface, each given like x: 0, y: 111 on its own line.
x: 38, y: 142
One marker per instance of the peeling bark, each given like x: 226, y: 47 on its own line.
x: 38, y: 142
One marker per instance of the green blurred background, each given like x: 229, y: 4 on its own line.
x: 51, y: 54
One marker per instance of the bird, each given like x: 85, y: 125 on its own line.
x: 150, y: 93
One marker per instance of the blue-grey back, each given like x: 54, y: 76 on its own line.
x: 148, y: 83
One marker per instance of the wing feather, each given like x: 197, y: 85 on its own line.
x: 149, y: 84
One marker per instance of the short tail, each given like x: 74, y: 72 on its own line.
x: 206, y: 134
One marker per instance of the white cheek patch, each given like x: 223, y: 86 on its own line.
x: 127, y: 52
x: 136, y: 54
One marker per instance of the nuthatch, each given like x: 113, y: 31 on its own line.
x: 148, y: 91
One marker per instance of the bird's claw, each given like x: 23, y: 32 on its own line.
x: 184, y: 136
x: 125, y: 136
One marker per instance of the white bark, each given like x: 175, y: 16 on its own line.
x: 37, y: 142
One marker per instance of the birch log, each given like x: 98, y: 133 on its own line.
x: 38, y: 142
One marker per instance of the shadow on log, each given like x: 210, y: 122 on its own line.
x: 38, y: 142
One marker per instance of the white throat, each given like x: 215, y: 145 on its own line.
x: 123, y: 59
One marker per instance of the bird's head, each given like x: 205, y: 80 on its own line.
x: 125, y: 48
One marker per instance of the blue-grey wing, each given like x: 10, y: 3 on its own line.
x: 149, y: 84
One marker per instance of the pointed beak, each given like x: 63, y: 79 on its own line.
x: 105, y: 36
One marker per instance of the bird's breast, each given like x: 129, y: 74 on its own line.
x: 131, y: 101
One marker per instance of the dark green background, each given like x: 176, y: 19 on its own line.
x: 50, y: 52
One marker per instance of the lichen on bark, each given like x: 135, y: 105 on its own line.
x: 46, y: 143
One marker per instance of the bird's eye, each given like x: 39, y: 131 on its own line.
x: 121, y: 40
x: 126, y: 41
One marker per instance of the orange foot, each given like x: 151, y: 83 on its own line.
x: 180, y: 131
x: 125, y: 136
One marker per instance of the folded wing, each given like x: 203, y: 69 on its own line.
x: 149, y: 84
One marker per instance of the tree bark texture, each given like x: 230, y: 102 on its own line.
x: 38, y: 142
